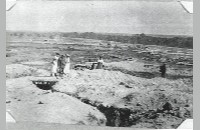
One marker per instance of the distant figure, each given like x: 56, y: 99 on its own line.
x: 67, y: 64
x: 163, y: 70
x: 54, y: 67
x: 100, y: 63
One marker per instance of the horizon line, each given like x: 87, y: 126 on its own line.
x: 99, y: 33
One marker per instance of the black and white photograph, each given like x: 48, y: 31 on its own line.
x: 104, y: 64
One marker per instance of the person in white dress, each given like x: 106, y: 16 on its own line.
x: 67, y: 64
x: 54, y: 67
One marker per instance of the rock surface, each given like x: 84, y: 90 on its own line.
x: 29, y: 103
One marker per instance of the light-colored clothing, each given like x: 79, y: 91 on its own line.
x: 67, y: 66
x: 100, y: 61
x: 54, y: 66
x: 56, y: 57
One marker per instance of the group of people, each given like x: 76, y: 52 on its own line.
x: 98, y: 64
x: 60, y: 65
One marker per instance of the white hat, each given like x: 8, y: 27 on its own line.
x: 56, y: 57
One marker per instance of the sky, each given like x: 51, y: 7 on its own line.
x: 132, y: 17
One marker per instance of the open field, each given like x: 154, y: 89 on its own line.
x: 128, y: 92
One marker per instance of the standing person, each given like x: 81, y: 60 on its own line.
x: 163, y: 70
x: 54, y: 67
x: 61, y: 65
x: 67, y: 64
x: 100, y: 63
x: 93, y: 66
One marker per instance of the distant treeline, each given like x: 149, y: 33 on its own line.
x: 176, y: 41
x: 172, y: 41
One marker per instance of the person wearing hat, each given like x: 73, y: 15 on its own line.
x: 54, y: 69
x: 67, y: 64
x: 57, y: 56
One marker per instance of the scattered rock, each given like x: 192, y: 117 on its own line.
x: 167, y: 106
x: 121, y: 83
x: 138, y: 104
x: 126, y: 85
x: 8, y: 101
x: 40, y: 102
x: 187, y: 105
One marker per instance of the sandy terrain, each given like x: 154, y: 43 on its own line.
x: 125, y: 93
x: 29, y: 103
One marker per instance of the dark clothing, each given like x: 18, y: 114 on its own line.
x: 163, y: 70
x: 163, y: 74
x: 93, y: 66
x: 61, y: 65
x: 99, y: 65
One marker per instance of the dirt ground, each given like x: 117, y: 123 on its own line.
x: 128, y: 92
